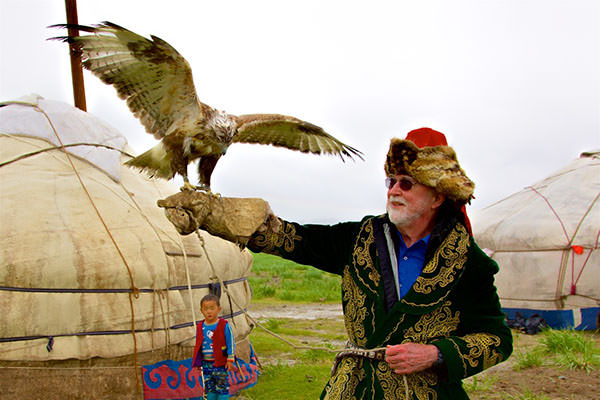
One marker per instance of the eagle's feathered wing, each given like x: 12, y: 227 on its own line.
x: 157, y: 84
x: 289, y: 132
x: 150, y: 75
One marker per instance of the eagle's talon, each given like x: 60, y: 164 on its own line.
x: 210, y: 193
x: 199, y: 188
x: 188, y: 186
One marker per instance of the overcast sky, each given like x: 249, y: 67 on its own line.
x: 514, y: 85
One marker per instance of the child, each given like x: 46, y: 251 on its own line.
x: 214, y: 350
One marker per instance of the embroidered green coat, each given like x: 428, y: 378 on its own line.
x: 453, y: 304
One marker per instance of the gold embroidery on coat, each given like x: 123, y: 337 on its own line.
x: 391, y: 383
x: 449, y: 257
x: 420, y: 384
x: 441, y: 322
x: 362, y: 257
x: 462, y: 359
x: 482, y: 345
x: 355, y: 311
x: 426, y: 304
x: 286, y: 238
x: 347, y: 377
x: 387, y: 339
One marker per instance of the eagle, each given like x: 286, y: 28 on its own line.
x: 157, y: 84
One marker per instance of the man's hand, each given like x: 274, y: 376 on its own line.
x: 409, y: 358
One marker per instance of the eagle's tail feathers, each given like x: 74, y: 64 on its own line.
x: 156, y: 161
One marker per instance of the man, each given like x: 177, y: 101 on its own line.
x: 414, y: 282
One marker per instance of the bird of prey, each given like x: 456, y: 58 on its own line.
x: 156, y: 82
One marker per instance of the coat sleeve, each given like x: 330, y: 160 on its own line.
x: 326, y: 247
x: 483, y: 338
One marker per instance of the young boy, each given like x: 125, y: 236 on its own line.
x: 214, y: 350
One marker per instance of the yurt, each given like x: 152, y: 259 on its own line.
x: 94, y: 280
x: 545, y: 240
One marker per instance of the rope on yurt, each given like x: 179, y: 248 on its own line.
x: 134, y: 290
x: 297, y: 347
x: 569, y: 248
x: 588, y: 257
x: 43, y: 150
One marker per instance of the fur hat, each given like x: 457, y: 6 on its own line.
x: 426, y: 156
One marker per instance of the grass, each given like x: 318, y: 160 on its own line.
x: 573, y: 350
x: 479, y: 384
x: 302, y: 381
x: 565, y: 348
x: 278, y: 279
x: 529, y: 359
x: 289, y: 373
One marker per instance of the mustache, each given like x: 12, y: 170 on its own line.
x: 397, y: 199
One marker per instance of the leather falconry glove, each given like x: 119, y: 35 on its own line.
x: 233, y: 219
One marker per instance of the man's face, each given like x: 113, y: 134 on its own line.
x: 210, y: 309
x: 409, y: 201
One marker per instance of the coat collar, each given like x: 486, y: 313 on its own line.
x: 442, y: 269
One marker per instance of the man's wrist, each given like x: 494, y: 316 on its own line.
x: 440, y: 359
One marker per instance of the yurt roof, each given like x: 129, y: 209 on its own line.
x: 562, y: 209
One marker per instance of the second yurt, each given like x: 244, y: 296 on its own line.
x: 545, y: 240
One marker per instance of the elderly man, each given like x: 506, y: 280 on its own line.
x: 416, y: 288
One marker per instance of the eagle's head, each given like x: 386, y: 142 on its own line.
x: 224, y: 126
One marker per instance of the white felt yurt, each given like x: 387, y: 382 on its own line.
x: 90, y: 268
x: 545, y: 240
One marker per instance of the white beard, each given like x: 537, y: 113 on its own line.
x: 403, y: 216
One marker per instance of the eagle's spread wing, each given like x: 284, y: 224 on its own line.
x: 291, y: 133
x: 154, y: 79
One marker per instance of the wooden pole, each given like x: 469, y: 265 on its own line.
x: 76, y: 70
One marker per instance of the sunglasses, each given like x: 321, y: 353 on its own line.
x: 405, y: 183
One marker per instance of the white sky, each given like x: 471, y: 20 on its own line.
x: 514, y: 85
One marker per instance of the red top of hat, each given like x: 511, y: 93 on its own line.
x: 427, y: 137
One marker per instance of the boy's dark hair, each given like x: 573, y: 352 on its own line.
x: 210, y: 297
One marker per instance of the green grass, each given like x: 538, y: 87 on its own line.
x: 529, y: 359
x: 571, y: 349
x: 289, y: 373
x: 479, y: 384
x: 275, y: 278
x: 565, y: 348
x: 301, y: 381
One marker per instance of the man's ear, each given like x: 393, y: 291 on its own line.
x: 438, y: 200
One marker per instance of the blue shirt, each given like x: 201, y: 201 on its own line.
x: 410, y: 262
x: 208, y: 332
